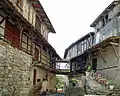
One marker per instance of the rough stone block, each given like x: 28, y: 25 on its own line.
x: 14, y: 71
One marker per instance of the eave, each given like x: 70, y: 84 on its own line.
x: 6, y: 4
x: 40, y: 11
x: 76, y: 42
x: 108, y: 9
x: 103, y: 44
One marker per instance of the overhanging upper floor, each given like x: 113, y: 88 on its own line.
x: 18, y: 32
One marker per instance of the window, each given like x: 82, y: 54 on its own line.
x: 79, y: 48
x: 33, y: 17
x: 36, y: 54
x: 44, y: 55
x: 38, y: 23
x: 12, y: 34
x: 75, y: 50
x: 26, y: 43
x: 106, y: 18
x: 70, y: 53
x: 85, y: 45
x: 45, y: 34
x: 29, y: 12
x: 103, y: 22
x: 97, y: 38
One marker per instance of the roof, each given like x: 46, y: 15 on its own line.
x: 102, y: 44
x: 79, y: 40
x: 53, y: 49
x: 18, y: 15
x: 110, y: 7
x: 40, y: 10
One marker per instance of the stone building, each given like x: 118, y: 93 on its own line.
x: 103, y: 56
x: 78, y: 53
x: 79, y: 56
x: 107, y: 43
x: 26, y: 56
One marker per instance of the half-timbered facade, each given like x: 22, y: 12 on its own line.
x: 107, y: 43
x: 78, y: 53
x: 103, y: 57
x: 25, y: 26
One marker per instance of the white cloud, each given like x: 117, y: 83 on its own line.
x: 71, y: 19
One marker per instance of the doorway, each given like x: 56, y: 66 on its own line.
x: 34, y: 77
x: 94, y: 64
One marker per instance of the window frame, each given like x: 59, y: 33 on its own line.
x: 26, y: 43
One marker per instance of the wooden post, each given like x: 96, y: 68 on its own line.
x: 47, y: 57
x: 41, y: 52
x: 114, y: 49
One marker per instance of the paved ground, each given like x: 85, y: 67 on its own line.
x: 61, y: 94
x: 57, y: 94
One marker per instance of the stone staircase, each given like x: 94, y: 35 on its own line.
x: 93, y: 87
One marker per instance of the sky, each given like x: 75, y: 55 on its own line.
x: 71, y: 20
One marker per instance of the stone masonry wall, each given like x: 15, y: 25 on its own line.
x: 15, y: 71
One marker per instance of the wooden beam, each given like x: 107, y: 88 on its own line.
x: 113, y: 43
x: 101, y: 53
x: 108, y: 68
x: 88, y: 42
x: 116, y: 54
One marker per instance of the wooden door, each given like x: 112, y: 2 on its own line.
x: 34, y: 77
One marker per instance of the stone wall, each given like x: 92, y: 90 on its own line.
x: 15, y: 71
x: 111, y: 69
x: 49, y: 84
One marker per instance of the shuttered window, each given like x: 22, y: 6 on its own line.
x: 12, y: 34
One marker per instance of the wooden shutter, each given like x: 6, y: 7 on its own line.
x: 12, y: 34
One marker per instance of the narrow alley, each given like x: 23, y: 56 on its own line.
x: 31, y: 66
